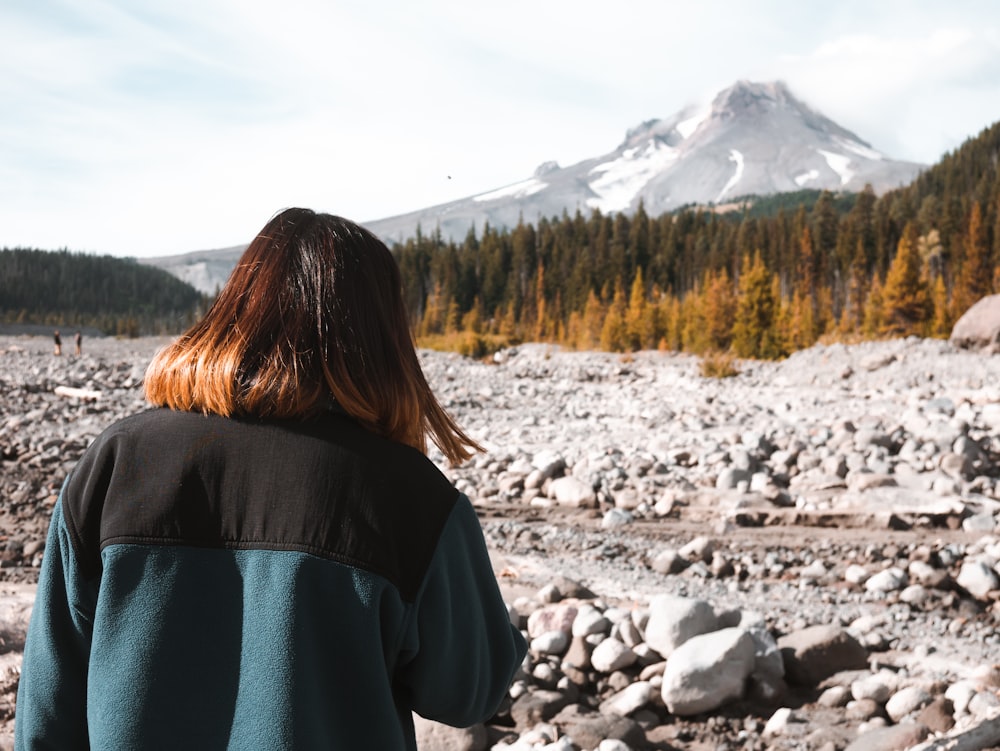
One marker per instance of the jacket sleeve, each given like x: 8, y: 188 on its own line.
x: 463, y: 650
x: 51, y: 711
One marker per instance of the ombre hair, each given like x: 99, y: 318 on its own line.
x: 312, y: 314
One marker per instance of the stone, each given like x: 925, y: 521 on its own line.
x: 778, y: 723
x: 984, y: 704
x: 616, y: 517
x: 612, y: 744
x: 907, y: 701
x: 892, y: 738
x: 855, y: 574
x: 938, y: 716
x: 550, y: 643
x: 891, y: 579
x: 673, y: 620
x: 817, y: 652
x: 632, y: 698
x: 978, y: 579
x: 570, y: 491
x: 979, y: 326
x: 557, y: 617
x: 668, y: 562
x: 589, y: 620
x: 433, y: 736
x: 708, y: 671
x: 698, y: 549
x: 588, y: 728
x: 877, y: 687
x: 578, y: 654
x: 611, y: 655
x: 537, y: 706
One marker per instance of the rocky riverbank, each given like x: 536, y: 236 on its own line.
x: 803, y: 556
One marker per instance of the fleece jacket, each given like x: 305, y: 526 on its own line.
x: 217, y: 583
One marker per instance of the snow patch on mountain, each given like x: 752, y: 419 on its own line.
x: 734, y: 156
x: 840, y: 164
x: 517, y: 190
x: 859, y: 149
x: 805, y: 177
x: 687, y: 127
x: 621, y: 179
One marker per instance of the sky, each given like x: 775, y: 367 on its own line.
x: 156, y: 127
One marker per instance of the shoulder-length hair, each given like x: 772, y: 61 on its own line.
x: 313, y: 310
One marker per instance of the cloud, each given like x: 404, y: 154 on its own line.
x: 913, y: 96
x: 152, y: 128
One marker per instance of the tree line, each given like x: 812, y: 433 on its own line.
x: 115, y: 295
x: 774, y: 276
x: 758, y: 282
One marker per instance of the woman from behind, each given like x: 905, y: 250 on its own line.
x: 267, y: 559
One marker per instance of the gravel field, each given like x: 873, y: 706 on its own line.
x: 840, y: 507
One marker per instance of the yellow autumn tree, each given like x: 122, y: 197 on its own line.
x: 638, y: 324
x: 906, y: 302
x: 871, y: 325
x: 613, y: 334
x: 755, y: 331
x: 718, y: 309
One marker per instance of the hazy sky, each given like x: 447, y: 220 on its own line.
x: 154, y: 127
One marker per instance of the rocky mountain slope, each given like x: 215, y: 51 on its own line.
x: 753, y: 138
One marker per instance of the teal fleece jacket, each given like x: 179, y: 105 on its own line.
x: 213, y: 583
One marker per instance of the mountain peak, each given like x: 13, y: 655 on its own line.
x: 753, y: 138
x: 749, y: 99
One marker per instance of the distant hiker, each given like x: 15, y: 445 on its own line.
x: 78, y: 341
x: 58, y: 342
x: 270, y: 560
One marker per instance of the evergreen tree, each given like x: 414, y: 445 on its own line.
x: 872, y: 323
x: 718, y: 310
x: 613, y: 333
x: 941, y: 322
x: 638, y: 322
x: 906, y: 304
x: 755, y: 332
x: 975, y: 276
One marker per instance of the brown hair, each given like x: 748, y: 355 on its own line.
x: 313, y: 310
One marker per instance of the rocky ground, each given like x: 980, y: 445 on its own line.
x: 803, y: 556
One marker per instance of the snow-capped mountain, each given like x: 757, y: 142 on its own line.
x: 753, y: 138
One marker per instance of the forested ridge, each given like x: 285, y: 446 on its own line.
x: 761, y: 277
x: 115, y: 295
x: 760, y: 281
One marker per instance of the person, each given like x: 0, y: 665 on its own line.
x: 57, y: 341
x: 78, y: 341
x: 267, y: 558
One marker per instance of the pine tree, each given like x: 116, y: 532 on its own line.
x: 613, y: 333
x: 433, y: 319
x: 906, y: 304
x: 941, y: 321
x: 871, y: 325
x: 694, y: 335
x: 637, y: 323
x: 801, y: 327
x: 975, y: 276
x: 543, y: 326
x: 755, y: 332
x: 718, y: 310
x: 593, y: 320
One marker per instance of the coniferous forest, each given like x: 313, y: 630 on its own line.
x: 762, y: 282
x: 778, y: 275
x: 114, y: 295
